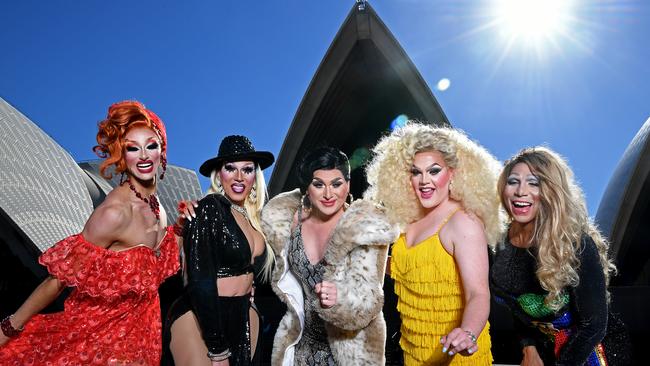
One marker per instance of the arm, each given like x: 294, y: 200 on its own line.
x: 359, y: 294
x: 100, y: 229
x: 531, y: 357
x: 471, y: 255
x: 588, y: 306
x: 199, y: 237
x: 42, y: 296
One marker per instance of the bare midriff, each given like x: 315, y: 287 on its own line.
x: 235, y: 286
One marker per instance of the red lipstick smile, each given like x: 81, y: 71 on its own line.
x: 145, y: 167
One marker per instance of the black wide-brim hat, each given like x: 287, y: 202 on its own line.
x: 236, y: 148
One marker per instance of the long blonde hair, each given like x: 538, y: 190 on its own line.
x: 253, y: 205
x: 560, y: 223
x: 474, y: 182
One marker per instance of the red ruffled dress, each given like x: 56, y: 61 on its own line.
x: 112, y: 316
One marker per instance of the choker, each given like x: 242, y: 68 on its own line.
x: 152, y: 200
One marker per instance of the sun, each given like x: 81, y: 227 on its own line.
x: 532, y: 22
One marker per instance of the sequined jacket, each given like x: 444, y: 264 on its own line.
x: 356, y: 261
x: 214, y: 247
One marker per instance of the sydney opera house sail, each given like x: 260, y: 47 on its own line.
x: 624, y: 212
x: 43, y: 196
x: 364, y: 82
x: 624, y: 216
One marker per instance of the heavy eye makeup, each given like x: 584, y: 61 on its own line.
x: 513, y: 180
x: 531, y: 180
x: 336, y: 183
x: 432, y: 170
x: 249, y: 169
x: 151, y: 146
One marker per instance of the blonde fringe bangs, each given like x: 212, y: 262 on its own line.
x: 254, y: 210
x: 561, y: 222
x: 474, y: 182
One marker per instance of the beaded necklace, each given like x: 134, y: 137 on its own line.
x: 152, y: 200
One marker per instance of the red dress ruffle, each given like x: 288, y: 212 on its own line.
x: 112, y: 316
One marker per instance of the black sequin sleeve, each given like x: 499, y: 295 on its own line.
x: 199, y: 237
x: 589, y: 307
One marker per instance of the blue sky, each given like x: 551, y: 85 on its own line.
x: 214, y: 68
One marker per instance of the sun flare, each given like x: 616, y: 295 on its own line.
x: 532, y: 22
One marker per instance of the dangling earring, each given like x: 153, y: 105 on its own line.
x: 350, y: 198
x: 163, y: 162
x: 122, y: 180
x: 451, y: 182
x: 253, y: 195
x: 219, y: 187
x: 305, y: 203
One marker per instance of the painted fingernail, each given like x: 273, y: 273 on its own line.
x: 470, y: 351
x: 444, y: 349
x: 451, y: 353
x: 441, y: 340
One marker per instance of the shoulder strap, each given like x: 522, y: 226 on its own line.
x: 444, y: 222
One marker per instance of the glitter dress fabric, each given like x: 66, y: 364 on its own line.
x: 572, y: 335
x: 313, y: 348
x: 112, y: 316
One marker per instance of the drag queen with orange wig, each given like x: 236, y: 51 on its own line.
x: 115, y: 265
x: 440, y: 187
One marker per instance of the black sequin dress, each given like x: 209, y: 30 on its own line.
x: 313, y: 348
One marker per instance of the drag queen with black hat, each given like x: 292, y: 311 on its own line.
x: 215, y: 321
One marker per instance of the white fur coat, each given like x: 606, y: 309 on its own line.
x: 356, y: 257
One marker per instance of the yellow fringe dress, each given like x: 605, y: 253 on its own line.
x: 431, y: 302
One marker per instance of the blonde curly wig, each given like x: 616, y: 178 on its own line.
x: 561, y: 221
x: 474, y: 182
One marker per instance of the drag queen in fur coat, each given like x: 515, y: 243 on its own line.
x: 346, y: 304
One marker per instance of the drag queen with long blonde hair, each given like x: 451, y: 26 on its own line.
x: 552, y: 267
x: 440, y: 187
x: 215, y: 321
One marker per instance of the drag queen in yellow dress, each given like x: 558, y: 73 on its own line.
x: 440, y: 187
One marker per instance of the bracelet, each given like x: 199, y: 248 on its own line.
x: 472, y: 336
x: 9, y: 329
x: 219, y: 356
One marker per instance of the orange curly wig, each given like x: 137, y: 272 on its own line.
x: 121, y: 118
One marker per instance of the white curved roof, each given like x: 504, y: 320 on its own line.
x: 41, y: 186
